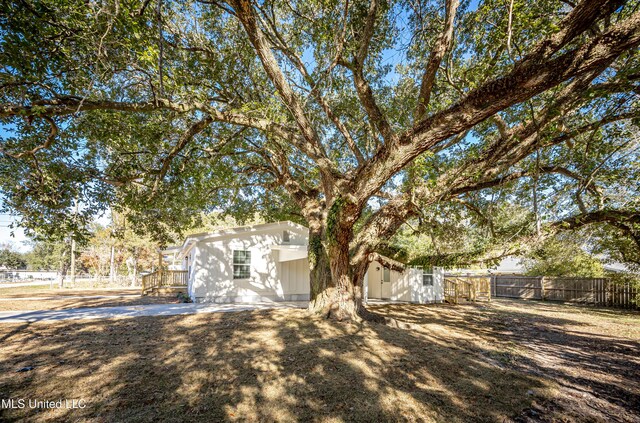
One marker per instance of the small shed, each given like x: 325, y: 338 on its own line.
x: 388, y: 279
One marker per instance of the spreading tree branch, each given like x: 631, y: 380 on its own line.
x: 524, y: 81
x: 184, y: 139
x: 48, y: 142
x: 312, y: 145
x: 441, y: 47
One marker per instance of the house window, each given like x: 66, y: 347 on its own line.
x: 286, y: 238
x: 241, y: 264
x: 386, y: 274
x: 427, y: 276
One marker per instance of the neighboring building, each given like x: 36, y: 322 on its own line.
x: 509, y: 266
x: 389, y: 279
x: 170, y: 256
x: 616, y: 267
x: 513, y: 266
x: 27, y: 275
x: 268, y: 262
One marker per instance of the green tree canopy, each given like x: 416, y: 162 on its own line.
x: 10, y: 259
x: 351, y: 117
x: 562, y: 256
x: 48, y: 255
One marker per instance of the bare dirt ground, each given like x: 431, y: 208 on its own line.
x: 504, y: 361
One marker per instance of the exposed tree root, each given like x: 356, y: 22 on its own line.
x: 351, y: 312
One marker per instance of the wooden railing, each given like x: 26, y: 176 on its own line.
x: 470, y: 288
x: 164, y: 279
x: 451, y: 291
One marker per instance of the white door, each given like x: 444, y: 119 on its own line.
x: 385, y: 284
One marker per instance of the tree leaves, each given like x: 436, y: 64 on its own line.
x: 76, y: 54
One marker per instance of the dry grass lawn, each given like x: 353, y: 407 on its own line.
x: 19, y: 298
x: 39, y: 291
x: 61, y: 303
x: 504, y: 361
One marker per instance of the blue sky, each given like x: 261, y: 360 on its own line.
x: 16, y: 241
x: 6, y: 237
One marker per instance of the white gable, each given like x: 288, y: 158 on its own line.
x: 246, y: 231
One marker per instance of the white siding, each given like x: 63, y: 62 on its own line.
x: 270, y: 280
x: 211, y: 265
x: 428, y: 294
x: 294, y: 276
x: 401, y: 285
x: 191, y: 264
x: 405, y: 286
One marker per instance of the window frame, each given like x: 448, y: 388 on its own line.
x: 427, y: 272
x: 386, y: 271
x: 244, y: 265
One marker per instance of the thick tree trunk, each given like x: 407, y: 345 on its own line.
x: 336, y: 284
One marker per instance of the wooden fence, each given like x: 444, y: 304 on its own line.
x: 596, y: 291
x: 164, y: 279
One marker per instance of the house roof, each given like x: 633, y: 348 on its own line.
x: 191, y: 240
x: 616, y: 267
x: 246, y: 228
x: 171, y: 250
x: 511, y: 265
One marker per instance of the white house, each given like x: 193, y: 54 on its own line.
x: 268, y: 262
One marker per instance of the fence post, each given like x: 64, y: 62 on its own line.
x: 542, y: 295
x: 492, y: 282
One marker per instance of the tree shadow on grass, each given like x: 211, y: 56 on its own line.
x: 72, y: 302
x: 282, y: 365
x: 269, y: 365
x: 597, y: 371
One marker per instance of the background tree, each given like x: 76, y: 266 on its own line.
x: 115, y: 249
x: 562, y: 256
x: 50, y: 255
x: 134, y: 252
x: 619, y: 245
x: 351, y: 117
x: 96, y: 254
x: 464, y: 233
x: 11, y: 259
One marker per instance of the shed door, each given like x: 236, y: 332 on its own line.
x: 385, y: 284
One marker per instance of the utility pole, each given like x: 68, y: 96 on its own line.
x: 73, y: 250
x: 73, y: 262
x: 112, y: 237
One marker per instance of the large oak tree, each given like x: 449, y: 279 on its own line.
x: 355, y: 116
